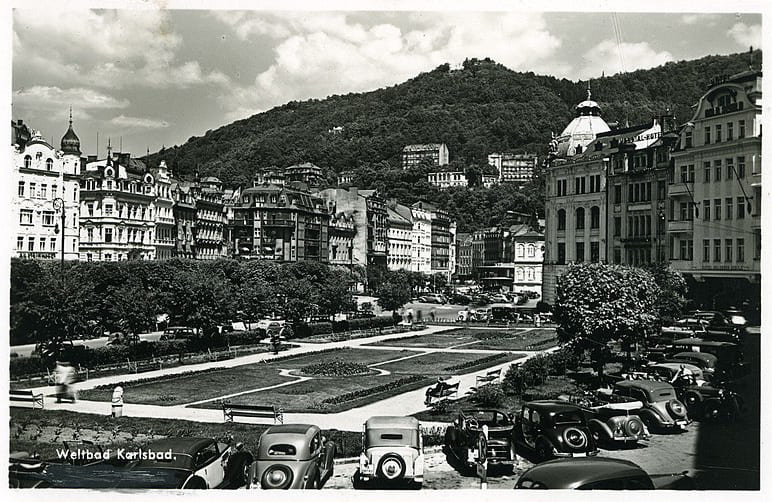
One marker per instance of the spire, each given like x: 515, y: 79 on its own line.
x: 589, y: 94
x: 70, y: 143
x: 70, y: 115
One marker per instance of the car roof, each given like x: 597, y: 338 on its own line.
x: 696, y: 355
x: 649, y: 385
x: 292, y: 430
x: 575, y: 472
x: 552, y: 406
x: 390, y: 422
x: 675, y: 365
x: 700, y: 341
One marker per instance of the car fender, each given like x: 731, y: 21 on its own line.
x: 600, y: 427
x: 647, y: 414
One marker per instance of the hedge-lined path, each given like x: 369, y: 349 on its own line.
x: 406, y: 403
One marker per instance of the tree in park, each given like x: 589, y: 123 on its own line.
x: 392, y: 296
x: 672, y: 298
x: 200, y: 299
x: 133, y: 307
x: 598, y: 303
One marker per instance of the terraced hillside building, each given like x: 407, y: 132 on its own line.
x: 718, y: 247
x: 513, y: 168
x: 436, y: 154
x: 39, y: 175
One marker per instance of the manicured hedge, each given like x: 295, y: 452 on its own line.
x: 477, y: 362
x: 350, y: 396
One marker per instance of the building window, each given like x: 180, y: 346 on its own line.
x: 740, y: 208
x: 684, y: 174
x: 688, y: 139
x: 42, y: 243
x: 561, y: 253
x: 579, y: 251
x: 33, y: 188
x: 728, y: 245
x: 730, y: 131
x: 595, y: 252
x: 53, y: 243
x: 49, y: 164
x: 729, y: 208
x: 108, y: 257
x: 683, y: 245
x: 684, y: 213
x: 718, y: 133
x: 25, y: 217
x: 54, y: 189
x: 741, y: 167
x: 740, y: 250
x: 31, y: 244
x: 617, y: 194
x: 48, y: 218
x: 594, y: 217
x: 580, y: 218
x: 706, y: 210
x: 108, y: 235
x: 757, y: 244
x: 716, y: 209
x: 90, y: 234
x: 706, y: 170
x: 561, y: 219
x: 531, y: 250
x: 716, y: 250
x: 21, y: 189
x: 19, y: 243
x: 661, y: 190
x: 108, y: 210
x: 617, y: 255
x: 617, y: 226
x: 707, y: 135
x: 740, y: 129
x: 717, y: 168
x: 729, y: 168
x: 705, y: 250
x: 90, y: 208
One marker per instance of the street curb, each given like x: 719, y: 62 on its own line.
x: 353, y: 460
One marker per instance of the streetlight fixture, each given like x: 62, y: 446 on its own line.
x: 59, y: 207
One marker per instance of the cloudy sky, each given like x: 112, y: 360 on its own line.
x: 156, y: 77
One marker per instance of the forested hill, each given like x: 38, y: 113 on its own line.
x: 482, y: 108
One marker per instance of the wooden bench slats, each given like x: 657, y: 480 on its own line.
x: 251, y: 411
x: 26, y: 396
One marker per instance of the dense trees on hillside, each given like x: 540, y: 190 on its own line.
x: 479, y: 109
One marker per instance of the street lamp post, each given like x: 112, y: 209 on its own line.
x: 59, y: 207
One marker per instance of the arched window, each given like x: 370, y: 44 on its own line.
x: 594, y: 217
x: 580, y: 218
x: 520, y: 250
x: 27, y: 161
x: 49, y: 164
x: 531, y: 250
x: 561, y: 219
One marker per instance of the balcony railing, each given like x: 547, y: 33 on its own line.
x: 278, y: 222
x: 680, y: 188
x: 680, y: 226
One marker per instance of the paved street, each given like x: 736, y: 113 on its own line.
x: 26, y: 350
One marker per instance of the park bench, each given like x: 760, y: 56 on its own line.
x: 143, y: 365
x: 230, y: 411
x: 27, y: 397
x: 488, y: 377
x: 441, y: 393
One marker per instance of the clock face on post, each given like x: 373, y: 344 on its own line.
x: 58, y: 203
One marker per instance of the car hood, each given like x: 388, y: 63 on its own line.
x: 108, y: 476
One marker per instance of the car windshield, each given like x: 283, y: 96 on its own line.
x: 568, y: 417
x: 491, y: 418
x: 391, y: 437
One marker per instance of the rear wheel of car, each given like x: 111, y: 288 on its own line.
x: 634, y: 427
x: 238, y: 468
x: 575, y: 438
x: 195, y: 483
x: 391, y: 467
x: 676, y: 408
x: 277, y: 476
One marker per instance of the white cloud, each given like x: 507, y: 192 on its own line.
x: 605, y: 58
x: 703, y: 19
x: 322, y: 53
x: 124, y: 122
x: 51, y: 98
x: 746, y: 35
x: 109, y: 49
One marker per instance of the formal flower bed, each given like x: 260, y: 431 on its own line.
x: 335, y: 367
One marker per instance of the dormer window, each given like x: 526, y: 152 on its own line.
x: 27, y: 161
x: 49, y: 164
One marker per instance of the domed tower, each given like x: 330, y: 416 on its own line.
x: 70, y: 147
x: 587, y: 124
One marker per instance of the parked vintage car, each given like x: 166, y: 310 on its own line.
x: 292, y: 456
x: 706, y: 362
x: 178, y: 333
x: 598, y: 473
x: 466, y: 439
x: 730, y: 362
x: 661, y: 411
x: 708, y: 401
x: 611, y: 421
x: 167, y: 463
x: 669, y: 371
x: 392, y: 453
x: 554, y: 429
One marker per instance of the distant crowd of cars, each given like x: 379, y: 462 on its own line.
x: 478, y: 297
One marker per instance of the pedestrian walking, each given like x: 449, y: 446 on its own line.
x: 65, y: 377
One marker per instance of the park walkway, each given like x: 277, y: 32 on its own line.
x: 406, y: 403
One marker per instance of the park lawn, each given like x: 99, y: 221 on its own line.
x: 434, y: 340
x: 518, y: 341
x: 192, y: 387
x: 308, y: 396
x: 432, y: 365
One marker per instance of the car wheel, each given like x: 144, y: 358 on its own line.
x: 238, y: 469
x: 634, y: 427
x: 391, y: 467
x: 693, y: 403
x: 195, y: 483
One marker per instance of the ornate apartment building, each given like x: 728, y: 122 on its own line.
x: 45, y: 183
x: 715, y: 192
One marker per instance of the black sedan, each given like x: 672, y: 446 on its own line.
x: 167, y: 463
